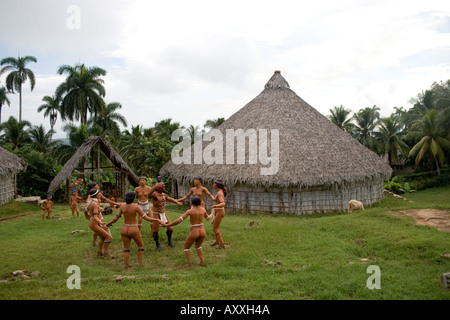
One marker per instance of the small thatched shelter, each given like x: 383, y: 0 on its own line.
x: 320, y: 167
x: 123, y: 173
x: 10, y: 166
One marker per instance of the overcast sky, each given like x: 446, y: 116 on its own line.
x: 197, y: 60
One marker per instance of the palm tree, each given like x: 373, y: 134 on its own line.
x: 366, y: 121
x: 3, y: 100
x: 108, y: 120
x: 130, y: 145
x: 164, y: 128
x: 339, y: 116
x: 14, y: 132
x: 431, y: 141
x: 18, y: 75
x: 390, y: 135
x: 81, y: 93
x: 214, y: 123
x: 40, y: 140
x: 52, y: 107
x: 195, y: 133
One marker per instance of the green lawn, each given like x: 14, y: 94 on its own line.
x: 274, y: 257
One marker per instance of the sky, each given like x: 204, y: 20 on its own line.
x: 197, y: 60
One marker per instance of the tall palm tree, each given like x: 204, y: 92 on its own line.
x: 366, y: 121
x: 339, y: 116
x: 82, y: 92
x: 195, y: 133
x: 214, y: 123
x: 431, y: 141
x: 52, y: 107
x: 18, y: 74
x: 15, y: 132
x: 164, y: 128
x: 390, y: 135
x: 3, y: 100
x: 108, y: 121
x: 130, y: 142
x: 40, y: 140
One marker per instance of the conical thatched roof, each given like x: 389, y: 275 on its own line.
x: 312, y: 150
x: 10, y: 163
x: 82, y: 152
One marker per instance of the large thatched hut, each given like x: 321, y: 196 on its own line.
x: 87, y: 162
x: 319, y: 167
x: 10, y: 166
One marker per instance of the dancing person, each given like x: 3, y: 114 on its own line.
x: 94, y: 186
x: 74, y: 199
x: 159, y: 199
x: 197, y: 232
x: 218, y: 212
x: 130, y: 229
x: 143, y: 192
x: 198, y: 191
x: 97, y: 225
x: 47, y: 206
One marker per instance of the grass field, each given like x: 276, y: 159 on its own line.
x: 267, y: 256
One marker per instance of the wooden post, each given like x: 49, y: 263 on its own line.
x: 98, y: 164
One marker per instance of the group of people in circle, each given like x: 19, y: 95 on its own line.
x: 134, y: 213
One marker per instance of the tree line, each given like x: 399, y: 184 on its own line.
x: 418, y: 136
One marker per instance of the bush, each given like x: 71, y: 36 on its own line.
x: 41, y: 170
x: 425, y: 180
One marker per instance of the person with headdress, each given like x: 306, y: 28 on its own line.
x: 97, y: 225
x: 218, y: 212
x: 94, y: 186
x: 197, y: 231
x: 130, y: 229
x: 143, y: 192
x: 198, y: 191
x: 47, y: 206
x: 74, y: 199
x: 159, y: 199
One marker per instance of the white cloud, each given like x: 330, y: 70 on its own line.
x: 197, y: 60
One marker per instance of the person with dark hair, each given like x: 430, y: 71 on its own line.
x: 94, y: 186
x: 47, y: 206
x: 130, y: 229
x: 74, y: 199
x: 198, y: 191
x: 218, y: 212
x: 143, y: 192
x: 159, y: 199
x: 97, y: 225
x: 197, y: 231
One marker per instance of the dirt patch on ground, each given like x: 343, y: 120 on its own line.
x: 429, y: 217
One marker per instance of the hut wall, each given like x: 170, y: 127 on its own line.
x: 7, y: 188
x: 293, y: 200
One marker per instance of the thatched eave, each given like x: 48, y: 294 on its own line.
x: 10, y: 163
x: 82, y: 152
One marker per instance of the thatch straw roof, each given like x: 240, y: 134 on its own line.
x: 10, y: 163
x: 313, y: 151
x: 82, y: 152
